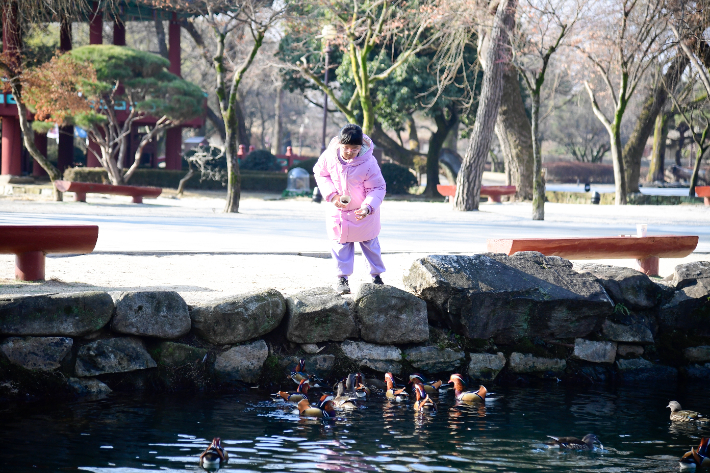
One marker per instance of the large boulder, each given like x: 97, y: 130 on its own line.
x: 390, y: 315
x: 636, y: 331
x: 698, y: 371
x: 112, y: 355
x: 67, y: 315
x: 688, y: 309
x: 594, y: 352
x: 510, y: 297
x: 486, y: 366
x: 236, y: 319
x: 525, y: 363
x: 687, y: 274
x: 380, y: 358
x: 320, y: 315
x: 625, y: 286
x: 37, y: 353
x: 242, y: 363
x: 434, y: 360
x: 172, y: 354
x: 160, y: 314
x: 641, y: 370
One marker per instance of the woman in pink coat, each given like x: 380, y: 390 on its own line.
x: 348, y: 177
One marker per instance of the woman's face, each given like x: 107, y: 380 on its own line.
x: 348, y: 152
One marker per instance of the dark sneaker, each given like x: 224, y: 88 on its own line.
x: 377, y: 280
x: 343, y: 287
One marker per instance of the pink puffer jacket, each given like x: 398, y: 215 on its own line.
x: 359, y: 178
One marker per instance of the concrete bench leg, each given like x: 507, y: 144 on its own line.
x: 29, y: 266
x: 706, y: 200
x: 137, y: 199
x: 79, y: 196
x: 649, y: 266
x: 494, y: 198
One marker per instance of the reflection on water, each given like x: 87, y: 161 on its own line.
x: 508, y: 434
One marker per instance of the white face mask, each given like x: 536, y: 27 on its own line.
x: 348, y: 152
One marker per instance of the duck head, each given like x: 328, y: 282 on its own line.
x: 674, y: 406
x: 325, y: 397
x: 591, y: 439
x: 328, y: 408
x: 303, y: 387
x: 416, y: 378
x: 301, y: 366
x: 389, y: 379
x: 457, y: 381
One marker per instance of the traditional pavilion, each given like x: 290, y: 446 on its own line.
x: 16, y: 163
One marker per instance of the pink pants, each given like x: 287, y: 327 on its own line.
x: 344, y: 256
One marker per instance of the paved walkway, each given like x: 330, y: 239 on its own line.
x: 190, y: 246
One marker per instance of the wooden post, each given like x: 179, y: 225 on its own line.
x: 173, y: 136
x: 11, y: 161
x: 65, y: 147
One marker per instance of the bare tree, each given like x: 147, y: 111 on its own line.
x: 543, y: 26
x: 492, y: 46
x: 231, y: 21
x: 623, y: 39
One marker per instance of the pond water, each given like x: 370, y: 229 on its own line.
x: 168, y: 432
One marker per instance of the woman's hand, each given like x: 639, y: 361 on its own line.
x: 336, y: 201
x: 362, y: 213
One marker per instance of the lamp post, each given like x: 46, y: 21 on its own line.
x: 328, y: 34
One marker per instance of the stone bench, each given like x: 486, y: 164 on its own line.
x: 30, y: 244
x: 646, y: 250
x: 704, y: 192
x: 83, y: 188
x: 493, y: 193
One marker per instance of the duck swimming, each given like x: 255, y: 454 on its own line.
x: 423, y: 399
x: 699, y: 458
x: 573, y: 443
x: 399, y: 395
x: 300, y: 394
x: 468, y: 396
x: 326, y: 409
x: 679, y: 415
x: 343, y: 400
x: 354, y: 385
x: 215, y: 455
x: 299, y: 373
x: 430, y: 387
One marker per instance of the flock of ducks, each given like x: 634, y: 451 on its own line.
x: 351, y: 391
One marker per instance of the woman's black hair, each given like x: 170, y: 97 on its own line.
x: 351, y: 134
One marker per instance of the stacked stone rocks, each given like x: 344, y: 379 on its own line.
x: 491, y: 316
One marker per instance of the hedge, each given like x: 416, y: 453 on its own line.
x: 573, y: 171
x: 251, y: 180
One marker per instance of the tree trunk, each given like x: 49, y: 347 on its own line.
x: 392, y: 149
x: 654, y: 103
x: 185, y: 178
x: 682, y: 128
x: 160, y: 34
x: 660, y: 133
x: 696, y: 170
x: 436, y: 142
x: 515, y: 136
x: 452, y: 139
x: 619, y: 177
x: 243, y: 135
x: 234, y: 184
x: 468, y: 182
x: 368, y: 114
x: 538, y: 200
x: 413, y: 137
x: 277, y: 136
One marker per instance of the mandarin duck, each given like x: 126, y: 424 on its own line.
x: 699, y: 458
x: 215, y: 455
x: 300, y: 394
x: 299, y: 373
x: 343, y: 400
x: 431, y: 387
x: 679, y: 415
x: 467, y: 396
x: 423, y: 400
x: 354, y: 385
x: 573, y: 443
x: 398, y: 395
x: 325, y: 409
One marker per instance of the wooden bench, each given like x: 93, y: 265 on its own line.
x: 30, y: 244
x: 83, y: 188
x: 492, y: 192
x: 704, y: 192
x: 645, y: 250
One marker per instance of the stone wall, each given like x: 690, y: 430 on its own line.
x: 491, y: 317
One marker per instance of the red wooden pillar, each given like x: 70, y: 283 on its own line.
x: 119, y: 32
x: 173, y: 137
x: 96, y: 26
x: 11, y: 161
x: 41, y: 144
x: 65, y: 147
